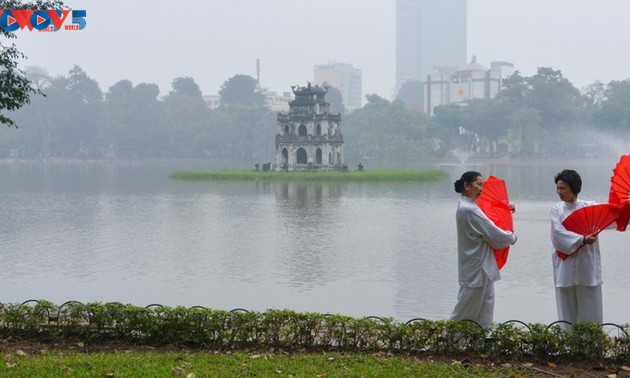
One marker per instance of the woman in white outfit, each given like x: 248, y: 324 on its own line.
x: 477, y: 266
x: 578, y: 277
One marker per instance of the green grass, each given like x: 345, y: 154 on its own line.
x: 238, y: 364
x: 371, y: 175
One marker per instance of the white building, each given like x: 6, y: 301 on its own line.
x: 277, y: 102
x: 458, y: 86
x: 212, y: 101
x: 273, y: 101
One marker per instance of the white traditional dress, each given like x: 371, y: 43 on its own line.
x: 477, y: 266
x: 578, y: 278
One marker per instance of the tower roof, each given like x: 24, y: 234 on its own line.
x: 474, y: 66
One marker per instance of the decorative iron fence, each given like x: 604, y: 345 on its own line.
x: 201, y: 327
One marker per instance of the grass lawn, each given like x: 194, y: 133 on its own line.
x: 371, y: 175
x: 153, y: 363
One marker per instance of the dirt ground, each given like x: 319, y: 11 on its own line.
x: 567, y: 369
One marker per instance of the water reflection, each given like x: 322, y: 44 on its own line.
x: 309, y: 222
x: 303, y: 194
x: 130, y: 234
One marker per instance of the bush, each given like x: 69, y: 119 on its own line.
x: 200, y: 327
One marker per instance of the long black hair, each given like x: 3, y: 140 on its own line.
x: 468, y: 177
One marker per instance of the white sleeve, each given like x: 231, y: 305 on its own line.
x: 562, y: 239
x: 491, y: 234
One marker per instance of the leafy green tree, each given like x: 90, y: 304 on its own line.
x: 241, y: 89
x: 524, y: 131
x: 557, y: 100
x: 186, y: 119
x: 120, y: 92
x: 335, y: 98
x: 514, y: 89
x: 594, y: 94
x: 447, y: 126
x: 614, y: 111
x: 387, y: 131
x: 186, y: 86
x: 78, y: 116
x: 134, y: 118
x: 15, y: 87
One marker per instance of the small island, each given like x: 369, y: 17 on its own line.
x: 377, y: 175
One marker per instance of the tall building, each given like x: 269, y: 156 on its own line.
x: 344, y: 77
x: 429, y: 34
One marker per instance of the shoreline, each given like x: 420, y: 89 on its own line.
x: 369, y: 165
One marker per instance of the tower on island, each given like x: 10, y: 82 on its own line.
x: 308, y: 136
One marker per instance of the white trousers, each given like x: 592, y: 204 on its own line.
x: 476, y: 303
x: 580, y: 304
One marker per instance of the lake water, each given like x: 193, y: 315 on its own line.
x: 128, y: 233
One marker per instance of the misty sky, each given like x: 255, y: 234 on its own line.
x: 213, y: 40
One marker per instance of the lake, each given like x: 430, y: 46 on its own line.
x: 128, y: 233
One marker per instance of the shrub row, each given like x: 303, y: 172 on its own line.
x: 201, y: 327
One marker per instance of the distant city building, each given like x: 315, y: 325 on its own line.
x: 212, y: 101
x: 277, y: 102
x: 429, y: 34
x: 308, y: 136
x: 345, y: 78
x: 474, y: 81
x: 274, y: 101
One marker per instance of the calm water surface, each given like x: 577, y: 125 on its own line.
x: 128, y: 233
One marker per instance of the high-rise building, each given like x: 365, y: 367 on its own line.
x: 344, y: 77
x: 429, y: 34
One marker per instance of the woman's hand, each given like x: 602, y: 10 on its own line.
x: 589, y: 239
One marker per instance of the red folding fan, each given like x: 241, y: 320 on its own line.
x: 494, y: 202
x: 620, y: 191
x: 591, y: 220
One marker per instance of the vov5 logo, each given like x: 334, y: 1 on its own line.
x: 42, y: 20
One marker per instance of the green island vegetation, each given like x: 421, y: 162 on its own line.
x: 314, y: 175
x: 118, y: 340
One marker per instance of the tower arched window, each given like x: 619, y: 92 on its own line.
x: 301, y: 156
x: 302, y: 130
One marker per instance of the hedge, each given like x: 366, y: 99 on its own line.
x: 201, y: 327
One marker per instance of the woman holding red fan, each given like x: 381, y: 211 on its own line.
x: 477, y: 266
x: 577, y: 269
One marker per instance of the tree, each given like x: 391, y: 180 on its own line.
x: 614, y: 112
x: 186, y: 118
x: 557, y: 100
x: 386, y: 130
x: 119, y: 92
x: 334, y: 98
x: 134, y: 118
x: 186, y: 86
x: 15, y: 87
x: 241, y: 89
x: 447, y: 124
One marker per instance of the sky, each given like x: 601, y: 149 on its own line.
x: 213, y: 40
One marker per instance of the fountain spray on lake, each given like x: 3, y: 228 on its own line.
x: 462, y: 155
